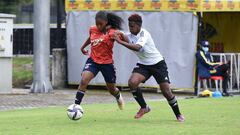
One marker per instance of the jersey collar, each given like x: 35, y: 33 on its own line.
x: 138, y: 35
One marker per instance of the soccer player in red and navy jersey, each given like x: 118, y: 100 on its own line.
x: 101, y: 55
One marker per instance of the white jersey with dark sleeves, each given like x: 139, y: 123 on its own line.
x: 148, y: 54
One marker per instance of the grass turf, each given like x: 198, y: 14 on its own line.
x: 203, y: 117
x: 22, y: 71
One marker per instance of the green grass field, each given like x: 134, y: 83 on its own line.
x: 206, y: 116
x: 22, y: 71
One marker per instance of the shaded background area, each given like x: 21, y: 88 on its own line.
x: 23, y: 39
x: 222, y: 30
x: 23, y: 24
x: 23, y: 9
x: 23, y: 35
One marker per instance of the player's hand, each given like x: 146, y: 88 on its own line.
x: 117, y: 36
x: 85, y: 52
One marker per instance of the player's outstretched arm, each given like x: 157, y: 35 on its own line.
x: 125, y: 42
x: 87, y: 42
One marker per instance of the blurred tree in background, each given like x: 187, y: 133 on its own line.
x: 12, y: 6
x: 23, y: 9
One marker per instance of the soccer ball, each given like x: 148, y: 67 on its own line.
x: 75, y: 112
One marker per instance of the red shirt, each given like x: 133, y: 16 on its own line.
x: 101, y: 45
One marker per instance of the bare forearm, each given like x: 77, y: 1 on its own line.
x: 87, y: 42
x: 130, y: 46
x: 125, y: 38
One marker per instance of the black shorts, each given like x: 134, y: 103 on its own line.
x: 158, y: 71
x: 107, y: 70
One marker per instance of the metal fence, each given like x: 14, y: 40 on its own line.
x: 23, y: 40
x: 234, y: 59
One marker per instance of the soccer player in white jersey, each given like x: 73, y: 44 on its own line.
x: 151, y: 63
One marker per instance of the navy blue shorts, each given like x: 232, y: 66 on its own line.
x: 107, y: 70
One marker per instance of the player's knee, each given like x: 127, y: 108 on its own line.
x: 167, y: 93
x: 133, y: 83
x: 84, y: 82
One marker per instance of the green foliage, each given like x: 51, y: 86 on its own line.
x: 12, y: 6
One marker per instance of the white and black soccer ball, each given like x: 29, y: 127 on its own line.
x: 75, y: 112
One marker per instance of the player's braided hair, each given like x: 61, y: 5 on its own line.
x: 113, y: 20
x: 135, y: 18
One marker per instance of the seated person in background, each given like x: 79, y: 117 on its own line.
x: 207, y: 68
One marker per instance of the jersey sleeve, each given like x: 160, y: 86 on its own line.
x: 92, y: 29
x: 112, y: 32
x: 143, y: 39
x: 201, y: 57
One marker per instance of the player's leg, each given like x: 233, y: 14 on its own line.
x: 172, y: 101
x: 109, y: 74
x: 133, y: 83
x: 160, y: 74
x: 138, y: 76
x: 89, y: 72
x: 113, y: 90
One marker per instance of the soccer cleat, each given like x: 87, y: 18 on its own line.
x: 226, y: 94
x: 180, y: 118
x: 120, y: 102
x: 141, y: 112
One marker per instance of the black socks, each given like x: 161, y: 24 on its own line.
x: 174, y: 105
x: 117, y: 95
x: 79, y: 96
x: 137, y: 94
